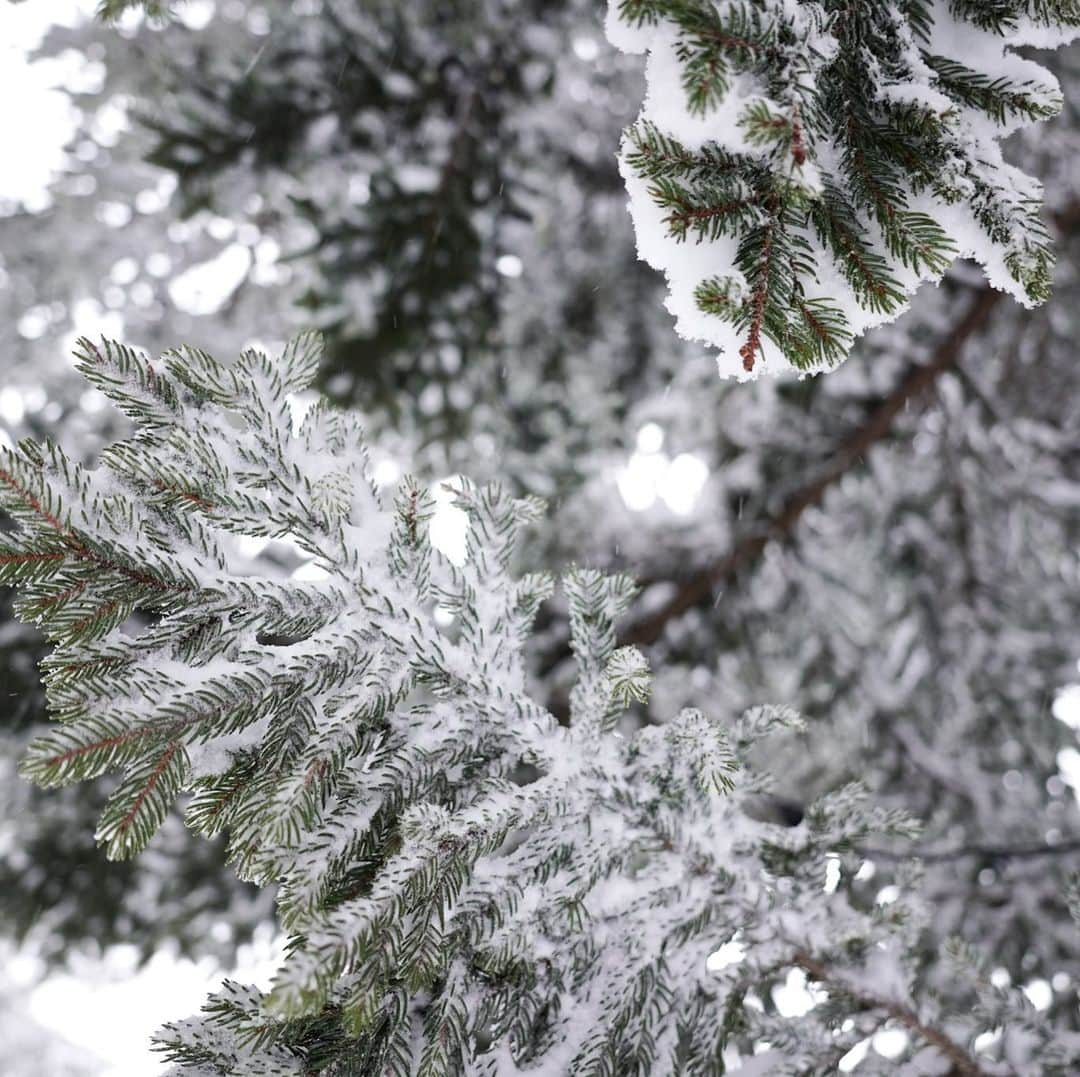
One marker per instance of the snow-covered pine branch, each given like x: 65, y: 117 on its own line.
x: 468, y: 885
x: 155, y: 9
x: 798, y: 170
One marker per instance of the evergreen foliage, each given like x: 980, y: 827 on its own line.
x: 558, y: 324
x: 433, y: 113
x: 469, y: 886
x: 909, y: 582
x: 114, y: 9
x: 826, y: 158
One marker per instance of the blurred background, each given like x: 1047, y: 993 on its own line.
x: 891, y: 548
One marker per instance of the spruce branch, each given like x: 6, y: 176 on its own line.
x: 762, y: 285
x: 999, y: 98
x: 878, y: 142
x: 468, y: 884
x: 962, y: 1062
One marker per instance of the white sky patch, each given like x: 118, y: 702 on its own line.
x: 685, y: 478
x: 640, y: 480
x: 33, y: 322
x: 731, y: 953
x: 1068, y: 761
x: 385, y: 473
x: 12, y: 406
x: 359, y: 190
x: 113, y: 214
x: 417, y: 178
x: 890, y: 1042
x: 509, y: 265
x: 586, y: 48
x: 35, y: 131
x: 205, y: 288
x: 650, y: 438
x: 111, y: 120
x: 1066, y: 706
x: 90, y: 319
x: 1040, y: 994
x: 449, y: 524
x: 796, y: 996
x: 107, y: 1007
x: 196, y: 14
x: 650, y: 475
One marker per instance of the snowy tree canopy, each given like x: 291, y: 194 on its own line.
x: 891, y: 549
x: 799, y: 169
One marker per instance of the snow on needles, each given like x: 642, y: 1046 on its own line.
x: 798, y: 173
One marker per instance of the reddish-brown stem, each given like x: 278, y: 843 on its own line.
x: 962, y: 1062
x: 187, y: 495
x: 62, y: 596
x: 147, y: 789
x: 34, y: 503
x: 102, y: 611
x: 78, y: 549
x: 761, y: 293
x: 108, y: 742
x: 691, y: 214
x: 700, y: 587
x: 733, y: 41
x: 798, y: 144
x: 27, y: 558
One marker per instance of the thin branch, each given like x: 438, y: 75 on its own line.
x: 750, y: 349
x: 148, y: 788
x: 962, y: 1062
x: 983, y: 852
x: 699, y: 588
x: 76, y: 546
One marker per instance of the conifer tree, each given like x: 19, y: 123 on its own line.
x: 946, y: 551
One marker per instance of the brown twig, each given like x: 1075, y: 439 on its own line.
x: 752, y: 346
x: 148, y: 788
x: 962, y: 1062
x: 984, y: 852
x: 78, y: 549
x: 699, y: 587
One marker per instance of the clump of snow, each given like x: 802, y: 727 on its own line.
x: 689, y: 262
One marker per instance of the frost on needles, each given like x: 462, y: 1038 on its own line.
x: 469, y: 886
x: 799, y: 168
